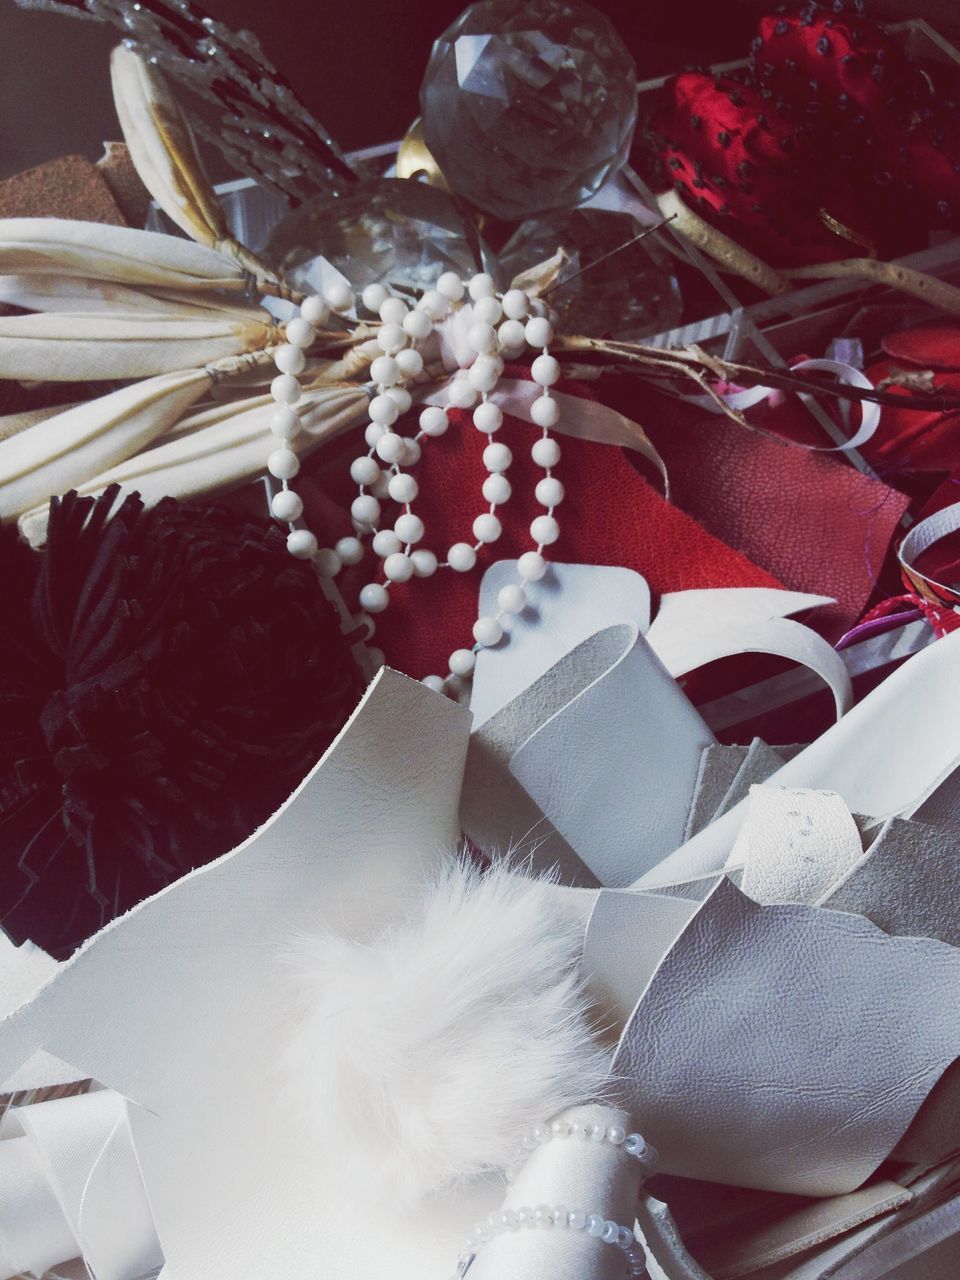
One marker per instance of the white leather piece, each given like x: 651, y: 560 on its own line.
x: 174, y: 1005
x: 784, y: 1047
x: 794, y: 843
x: 91, y: 1201
x: 614, y: 770
x: 884, y: 757
x: 596, y: 1177
x: 693, y: 628
x: 571, y: 603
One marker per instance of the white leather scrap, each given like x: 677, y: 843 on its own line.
x: 781, y: 1047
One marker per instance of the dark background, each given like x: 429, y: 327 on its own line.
x: 357, y: 65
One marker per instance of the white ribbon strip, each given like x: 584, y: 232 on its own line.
x: 922, y: 537
x: 750, y: 396
x: 70, y: 1187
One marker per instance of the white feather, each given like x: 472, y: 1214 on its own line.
x: 425, y: 1054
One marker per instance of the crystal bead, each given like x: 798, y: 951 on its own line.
x: 382, y: 229
x: 555, y: 78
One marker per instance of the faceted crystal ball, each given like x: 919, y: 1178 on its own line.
x: 529, y: 105
x: 385, y: 229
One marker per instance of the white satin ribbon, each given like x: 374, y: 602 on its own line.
x: 70, y: 1187
x: 922, y: 537
x: 750, y: 396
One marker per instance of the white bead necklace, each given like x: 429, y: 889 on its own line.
x: 501, y: 325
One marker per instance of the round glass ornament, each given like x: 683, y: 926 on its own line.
x: 405, y: 233
x: 529, y: 107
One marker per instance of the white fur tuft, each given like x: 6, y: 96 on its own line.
x: 425, y: 1054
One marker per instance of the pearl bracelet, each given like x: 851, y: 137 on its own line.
x: 518, y: 325
x: 633, y: 1144
x: 554, y: 1216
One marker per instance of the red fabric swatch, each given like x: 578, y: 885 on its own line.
x: 610, y: 516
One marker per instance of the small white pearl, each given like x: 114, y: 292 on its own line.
x: 545, y: 411
x: 483, y: 374
x: 436, y: 683
x: 385, y: 543
x: 544, y: 530
x: 424, y: 563
x: 401, y: 397
x: 549, y: 492
x: 451, y: 286
x: 598, y: 1132
x: 487, y: 528
x: 611, y: 1231
x: 559, y: 1215
x: 531, y: 566
x: 286, y: 505
x: 393, y: 310
x: 538, y: 331
x: 383, y: 408
x: 461, y: 395
x: 595, y: 1225
x: 373, y: 297
x: 285, y: 389
x: 285, y: 422
x: 418, y: 324
x: 373, y: 433
x: 289, y: 359
x: 487, y: 310
x: 576, y: 1219
x: 481, y: 286
x: 314, y: 310
x: 339, y: 295
x: 560, y: 1129
x: 365, y: 509
x: 403, y: 488
x: 487, y: 632
x: 434, y: 304
x: 525, y: 1216
x: 412, y: 452
x: 385, y: 371
x: 482, y: 337
x: 327, y: 561
x: 364, y: 471
x: 462, y: 662
x: 488, y: 417
x: 545, y: 370
x: 302, y: 544
x: 350, y: 550
x: 497, y: 488
x: 409, y: 528
x: 390, y: 338
x: 433, y: 421
x: 374, y: 597
x: 512, y: 599
x: 398, y: 567
x: 545, y: 452
x: 515, y: 304
x: 461, y: 557
x: 497, y: 457
x: 409, y: 361
x: 299, y: 332
x: 390, y: 446
x: 283, y: 463
x: 616, y: 1134
x: 543, y: 1215
x: 511, y: 337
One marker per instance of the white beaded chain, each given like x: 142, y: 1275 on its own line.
x: 543, y: 1215
x: 500, y: 326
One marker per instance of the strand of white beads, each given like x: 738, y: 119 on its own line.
x: 500, y: 326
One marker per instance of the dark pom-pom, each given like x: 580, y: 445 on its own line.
x: 167, y: 677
